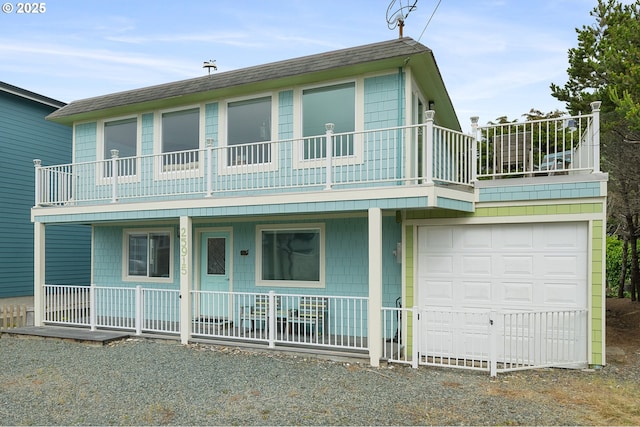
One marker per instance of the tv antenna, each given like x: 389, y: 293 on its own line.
x: 209, y: 65
x: 398, y: 13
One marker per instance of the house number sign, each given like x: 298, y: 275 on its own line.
x: 184, y: 247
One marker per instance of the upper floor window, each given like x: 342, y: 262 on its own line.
x: 248, y: 125
x: 121, y: 135
x: 329, y: 104
x: 180, y: 137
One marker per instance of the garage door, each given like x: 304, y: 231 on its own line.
x: 478, y: 268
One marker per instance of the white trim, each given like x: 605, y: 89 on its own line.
x: 101, y: 179
x: 188, y: 171
x: 223, y: 168
x: 125, y: 255
x: 320, y: 284
x: 298, y: 140
x: 199, y: 231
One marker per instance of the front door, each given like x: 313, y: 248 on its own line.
x: 214, y: 274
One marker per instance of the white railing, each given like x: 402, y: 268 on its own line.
x: 492, y: 341
x: 128, y: 308
x: 540, y: 339
x: 563, y: 145
x: 395, y: 335
x: 282, y: 319
x: 500, y: 341
x: 382, y: 157
x: 279, y: 319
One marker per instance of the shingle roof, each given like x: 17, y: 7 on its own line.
x: 277, y: 70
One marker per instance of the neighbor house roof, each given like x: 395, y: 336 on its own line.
x: 23, y: 93
x: 400, y: 50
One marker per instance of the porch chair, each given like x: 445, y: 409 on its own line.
x: 258, y: 314
x: 311, y: 313
x: 513, y: 152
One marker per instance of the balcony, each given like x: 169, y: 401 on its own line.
x: 417, y: 155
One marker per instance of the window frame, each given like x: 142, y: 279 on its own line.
x: 299, y: 162
x: 126, y: 233
x: 224, y: 166
x: 101, y: 171
x: 182, y: 170
x: 302, y: 227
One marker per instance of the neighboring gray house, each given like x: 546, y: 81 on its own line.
x: 24, y: 136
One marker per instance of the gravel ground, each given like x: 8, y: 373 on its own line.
x: 147, y: 382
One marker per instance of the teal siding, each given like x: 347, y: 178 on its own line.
x: 86, y: 146
x: 346, y: 254
x: 382, y: 100
x: 541, y: 192
x: 25, y: 135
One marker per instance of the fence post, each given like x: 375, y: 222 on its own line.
x: 139, y: 304
x: 474, y: 148
x: 114, y: 175
x: 92, y: 306
x: 415, y: 337
x: 329, y: 144
x: 37, y: 164
x: 209, y: 144
x: 271, y: 319
x: 428, y: 148
x: 595, y: 108
x: 493, y: 344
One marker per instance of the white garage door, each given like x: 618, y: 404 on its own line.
x: 540, y: 266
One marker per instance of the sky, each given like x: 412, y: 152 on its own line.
x: 496, y: 57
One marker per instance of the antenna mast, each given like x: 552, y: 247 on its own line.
x: 397, y: 14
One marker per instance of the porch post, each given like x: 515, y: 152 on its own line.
x: 595, y: 108
x: 474, y: 148
x: 38, y: 272
x: 114, y: 175
x: 37, y: 164
x: 186, y: 277
x: 329, y: 162
x: 209, y: 167
x: 374, y: 325
x: 427, y: 156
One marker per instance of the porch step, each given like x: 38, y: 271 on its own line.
x: 83, y: 335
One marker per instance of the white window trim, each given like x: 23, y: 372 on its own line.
x: 125, y: 255
x: 358, y: 149
x: 188, y: 171
x: 223, y: 167
x: 100, y: 169
x: 320, y: 284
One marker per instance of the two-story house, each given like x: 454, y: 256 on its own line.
x: 25, y: 135
x: 331, y: 202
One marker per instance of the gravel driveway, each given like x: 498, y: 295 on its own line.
x: 147, y: 382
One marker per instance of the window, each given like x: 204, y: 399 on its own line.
x: 180, y: 137
x: 291, y: 256
x: 121, y: 135
x: 148, y: 254
x: 330, y: 104
x: 249, y: 124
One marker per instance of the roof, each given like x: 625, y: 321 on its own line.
x: 23, y: 93
x: 397, y: 51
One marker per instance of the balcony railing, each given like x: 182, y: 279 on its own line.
x: 557, y: 146
x: 424, y: 154
x: 410, y: 155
